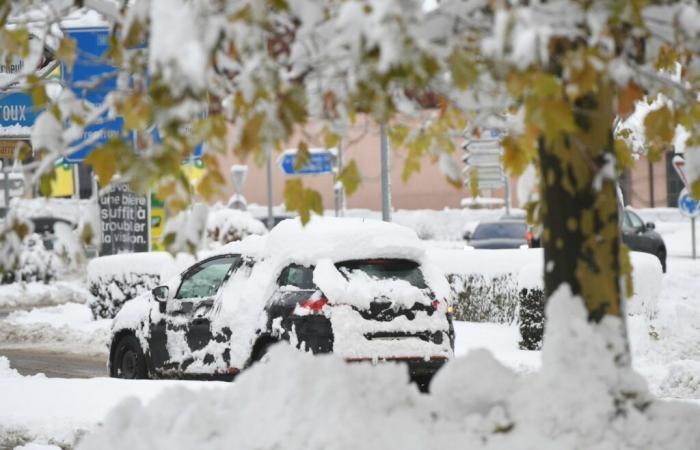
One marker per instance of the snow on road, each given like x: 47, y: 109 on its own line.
x: 58, y: 410
x: 67, y: 328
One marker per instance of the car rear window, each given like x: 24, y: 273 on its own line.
x: 500, y: 230
x: 386, y: 269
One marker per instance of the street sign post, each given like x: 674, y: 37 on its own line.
x: 484, y: 160
x: 687, y: 205
x: 321, y: 161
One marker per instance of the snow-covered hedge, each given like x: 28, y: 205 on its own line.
x: 484, y: 298
x: 506, y: 286
x: 116, y: 279
x: 229, y: 225
x: 35, y: 263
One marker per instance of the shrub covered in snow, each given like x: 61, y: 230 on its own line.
x: 484, y: 298
x: 531, y: 318
x: 116, y: 279
x: 228, y: 225
x: 35, y: 263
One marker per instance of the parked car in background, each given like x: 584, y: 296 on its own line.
x: 45, y: 226
x: 500, y: 234
x: 377, y: 300
x: 642, y: 237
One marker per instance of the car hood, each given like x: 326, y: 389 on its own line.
x: 497, y: 243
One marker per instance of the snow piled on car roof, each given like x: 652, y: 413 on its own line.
x: 341, y: 239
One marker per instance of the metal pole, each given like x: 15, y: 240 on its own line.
x: 339, y: 188
x: 507, y: 194
x: 692, y: 235
x: 651, y: 184
x: 6, y: 185
x: 386, y: 170
x: 270, y: 217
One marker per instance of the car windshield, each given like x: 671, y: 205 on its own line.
x: 501, y: 230
x: 386, y: 269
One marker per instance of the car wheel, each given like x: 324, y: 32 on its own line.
x: 260, y: 349
x: 129, y: 361
x: 661, y: 254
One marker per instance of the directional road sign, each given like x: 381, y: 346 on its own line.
x: 687, y: 205
x: 321, y: 161
x: 17, y: 109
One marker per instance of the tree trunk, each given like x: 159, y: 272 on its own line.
x: 579, y: 210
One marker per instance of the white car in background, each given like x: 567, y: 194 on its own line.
x: 360, y: 289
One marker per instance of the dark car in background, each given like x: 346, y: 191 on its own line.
x: 642, y: 237
x: 500, y: 234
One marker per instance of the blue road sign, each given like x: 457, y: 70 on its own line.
x: 92, y: 78
x: 687, y: 205
x: 320, y: 162
x: 16, y: 108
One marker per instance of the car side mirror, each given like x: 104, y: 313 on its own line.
x: 651, y: 225
x: 160, y: 294
x: 467, y: 235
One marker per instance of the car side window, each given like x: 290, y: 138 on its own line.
x: 626, y: 222
x: 205, y: 279
x: 298, y: 276
x: 635, y: 221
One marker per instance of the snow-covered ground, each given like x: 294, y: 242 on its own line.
x: 28, y: 295
x: 664, y: 347
x: 59, y: 411
x: 67, y: 328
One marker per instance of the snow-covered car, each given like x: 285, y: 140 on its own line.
x: 361, y: 289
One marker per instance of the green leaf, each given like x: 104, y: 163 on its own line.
x: 350, y: 177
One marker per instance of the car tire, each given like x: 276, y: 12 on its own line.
x: 128, y: 361
x: 260, y: 350
x: 661, y: 254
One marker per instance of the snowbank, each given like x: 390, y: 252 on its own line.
x: 475, y: 403
x: 59, y: 411
x: 27, y: 295
x: 66, y: 328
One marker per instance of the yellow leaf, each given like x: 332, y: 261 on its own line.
x: 302, y: 200
x: 397, y: 135
x: 330, y: 139
x: 104, y: 160
x: 627, y: 97
x: 66, y: 51
x: 350, y: 177
x: 302, y: 156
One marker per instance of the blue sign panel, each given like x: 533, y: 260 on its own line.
x: 687, y: 205
x: 320, y: 162
x: 16, y: 109
x: 91, y: 77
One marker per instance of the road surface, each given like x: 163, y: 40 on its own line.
x: 54, y: 364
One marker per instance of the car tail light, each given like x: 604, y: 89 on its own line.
x: 314, y: 305
x: 530, y: 238
x: 436, y: 304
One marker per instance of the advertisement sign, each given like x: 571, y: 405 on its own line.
x: 126, y: 222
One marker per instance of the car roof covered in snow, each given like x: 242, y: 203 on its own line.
x: 341, y: 239
x: 253, y: 245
